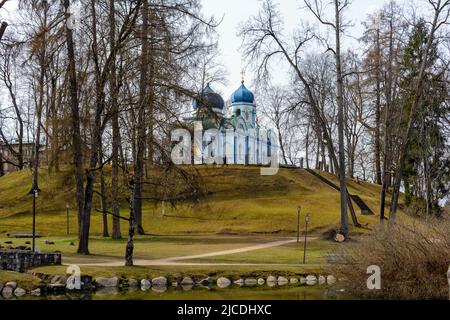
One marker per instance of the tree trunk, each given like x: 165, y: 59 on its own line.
x: 115, y: 129
x: 20, y: 134
x: 143, y: 100
x: 105, y: 232
x: 378, y: 113
x: 307, y: 145
x: 75, y: 117
x: 3, y: 27
x: 130, y: 242
x: 340, y: 102
x: 280, y: 138
x: 2, y: 169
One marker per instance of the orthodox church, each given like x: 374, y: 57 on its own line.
x: 237, y: 137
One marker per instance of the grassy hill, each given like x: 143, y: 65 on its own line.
x: 239, y: 201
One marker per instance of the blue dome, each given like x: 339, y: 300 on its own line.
x: 242, y: 95
x: 210, y: 100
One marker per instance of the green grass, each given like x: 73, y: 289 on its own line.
x: 239, y: 201
x: 286, y: 254
x: 24, y: 281
x: 146, y: 247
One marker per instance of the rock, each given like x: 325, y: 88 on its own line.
x: 159, y: 289
x: 251, y: 282
x: 187, y: 287
x: 206, y: 282
x: 174, y: 284
x: 261, y: 281
x: 7, y: 292
x: 322, y: 280
x: 239, y: 282
x: 133, y: 283
x: 102, y: 282
x: 11, y: 284
x: 331, y: 280
x: 107, y: 291
x: 145, y: 284
x: 187, y: 281
x: 36, y: 292
x: 49, y: 242
x: 159, y: 281
x: 55, y: 279
x: 293, y: 280
x: 311, y: 280
x: 19, y: 292
x: 302, y: 280
x: 223, y: 282
x: 63, y: 280
x: 282, y: 281
x: 271, y: 279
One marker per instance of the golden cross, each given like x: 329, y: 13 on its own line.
x: 242, y: 76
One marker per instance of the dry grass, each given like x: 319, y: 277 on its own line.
x: 239, y: 201
x: 413, y: 257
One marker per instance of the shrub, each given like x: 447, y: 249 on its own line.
x: 413, y: 257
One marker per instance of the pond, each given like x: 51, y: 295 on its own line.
x: 204, y: 293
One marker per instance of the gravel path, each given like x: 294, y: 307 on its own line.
x: 178, y: 261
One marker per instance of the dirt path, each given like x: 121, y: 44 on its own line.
x: 178, y: 260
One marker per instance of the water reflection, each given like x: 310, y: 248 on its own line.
x: 204, y: 293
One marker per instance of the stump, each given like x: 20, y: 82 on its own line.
x: 339, y: 237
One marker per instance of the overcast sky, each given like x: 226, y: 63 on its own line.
x: 235, y: 12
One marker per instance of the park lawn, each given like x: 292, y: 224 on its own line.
x: 24, y: 280
x: 146, y: 247
x: 239, y: 201
x: 286, y: 254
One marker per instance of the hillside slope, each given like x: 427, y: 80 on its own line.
x: 239, y: 200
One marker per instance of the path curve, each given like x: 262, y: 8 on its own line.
x: 175, y: 261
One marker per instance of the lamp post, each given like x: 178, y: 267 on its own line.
x: 299, y: 208
x: 67, y: 217
x: 306, y: 235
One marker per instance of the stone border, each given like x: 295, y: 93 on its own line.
x: 20, y: 261
x: 103, y: 285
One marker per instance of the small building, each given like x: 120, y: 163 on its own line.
x: 9, y: 161
x: 230, y: 132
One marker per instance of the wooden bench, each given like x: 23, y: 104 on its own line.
x: 25, y: 235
